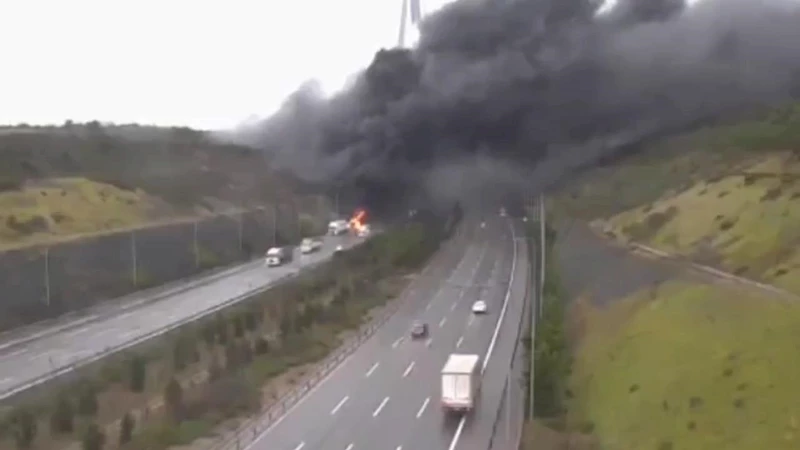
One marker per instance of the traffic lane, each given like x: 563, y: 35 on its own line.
x: 317, y: 405
x: 411, y: 399
x: 438, y: 428
x: 479, y: 427
x: 416, y: 420
x: 374, y: 410
x: 29, y: 361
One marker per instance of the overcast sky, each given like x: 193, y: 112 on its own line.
x: 207, y: 63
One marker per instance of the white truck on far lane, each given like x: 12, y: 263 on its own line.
x: 461, y: 383
x: 277, y: 256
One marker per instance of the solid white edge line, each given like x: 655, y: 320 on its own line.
x: 497, y: 327
x: 302, y: 444
x: 349, y: 447
x: 380, y: 407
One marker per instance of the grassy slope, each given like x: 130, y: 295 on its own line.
x: 697, y: 366
x: 82, y: 179
x: 723, y: 378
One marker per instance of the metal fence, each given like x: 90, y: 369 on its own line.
x: 46, y: 281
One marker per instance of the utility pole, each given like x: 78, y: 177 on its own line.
x: 542, y: 252
x: 275, y: 225
x: 134, y: 263
x: 47, y: 276
x: 195, y: 246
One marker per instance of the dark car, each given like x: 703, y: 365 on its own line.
x: 419, y: 330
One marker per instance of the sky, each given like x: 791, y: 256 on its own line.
x: 207, y: 64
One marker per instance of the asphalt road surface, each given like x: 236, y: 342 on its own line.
x: 386, y: 394
x: 21, y: 364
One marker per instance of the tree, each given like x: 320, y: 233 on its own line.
x: 173, y: 399
x: 233, y: 358
x: 87, y: 399
x: 93, y: 438
x: 23, y: 423
x: 251, y: 320
x: 62, y: 417
x: 222, y: 331
x: 215, y: 371
x: 238, y: 326
x: 138, y: 373
x: 126, y: 428
x: 261, y: 346
x: 209, y: 334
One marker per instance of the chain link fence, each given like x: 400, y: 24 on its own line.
x: 47, y: 281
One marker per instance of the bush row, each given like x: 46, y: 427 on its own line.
x: 551, y: 357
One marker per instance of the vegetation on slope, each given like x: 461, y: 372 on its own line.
x: 120, y: 176
x: 237, y: 363
x: 689, y: 366
x: 727, y: 196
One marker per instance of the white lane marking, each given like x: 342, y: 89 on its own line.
x: 489, y: 351
x: 428, y: 342
x: 422, y: 408
x: 339, y: 405
x: 453, y: 306
x: 14, y: 353
x: 372, y: 369
x: 380, y: 407
x: 460, y: 340
x: 397, y: 342
x: 349, y: 447
x: 471, y: 319
x: 399, y: 447
x: 441, y: 322
x: 408, y: 369
x: 302, y: 444
x: 428, y: 306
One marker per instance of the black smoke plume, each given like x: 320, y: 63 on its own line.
x: 503, y: 94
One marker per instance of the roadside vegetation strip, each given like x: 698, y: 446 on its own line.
x: 179, y: 387
x: 550, y: 358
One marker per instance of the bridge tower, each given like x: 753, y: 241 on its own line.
x: 409, y: 15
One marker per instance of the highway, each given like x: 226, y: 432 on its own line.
x: 22, y: 364
x: 386, y: 394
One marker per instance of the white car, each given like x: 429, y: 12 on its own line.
x: 479, y: 307
x: 339, y: 248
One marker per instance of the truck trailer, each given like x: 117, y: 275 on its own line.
x: 461, y: 383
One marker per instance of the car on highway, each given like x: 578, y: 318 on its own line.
x: 479, y: 307
x: 310, y: 245
x: 339, y: 248
x: 419, y: 330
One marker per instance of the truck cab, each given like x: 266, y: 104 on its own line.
x: 277, y: 256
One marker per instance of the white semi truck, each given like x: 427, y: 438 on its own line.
x: 461, y: 383
x: 278, y: 256
x: 338, y: 227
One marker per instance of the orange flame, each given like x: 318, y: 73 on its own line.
x: 357, y: 221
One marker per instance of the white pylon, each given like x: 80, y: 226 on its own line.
x: 412, y: 7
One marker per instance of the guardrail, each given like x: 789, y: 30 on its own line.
x: 527, y: 308
x: 534, y: 309
x: 83, y: 361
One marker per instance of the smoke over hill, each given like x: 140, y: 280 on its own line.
x: 501, y: 92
